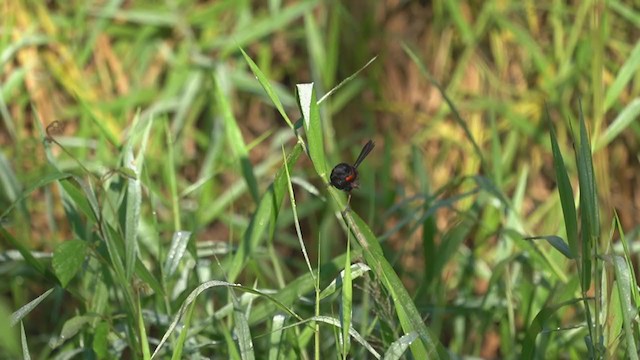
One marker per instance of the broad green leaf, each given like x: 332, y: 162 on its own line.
x: 71, y: 328
x: 68, y: 258
x: 100, y: 341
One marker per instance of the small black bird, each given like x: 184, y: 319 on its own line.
x: 345, y: 176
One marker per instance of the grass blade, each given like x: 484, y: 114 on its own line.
x: 234, y: 136
x: 628, y: 309
x: 24, y: 310
x: 177, y: 250
x: 410, y: 318
x: 450, y: 103
x: 565, y: 191
x: 276, y: 336
x: 625, y: 118
x: 266, y: 213
x: 347, y: 301
x: 557, y: 242
x: 537, y: 325
x: 628, y: 70
x: 352, y: 333
x: 266, y: 85
x: 397, y: 349
x: 313, y: 127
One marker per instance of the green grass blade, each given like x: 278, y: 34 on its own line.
x: 347, y: 80
x: 275, y: 338
x: 263, y: 26
x: 145, y: 275
x: 43, y: 180
x: 557, y: 242
x: 179, y: 344
x: 313, y: 128
x: 9, y: 341
x: 134, y: 200
x: 177, y: 249
x: 294, y: 209
x: 315, y: 46
x: 23, y: 343
x: 628, y: 310
x: 81, y: 199
x: 266, y: 212
x: 266, y: 85
x: 397, y: 349
x: 454, y: 109
x: 243, y: 333
x: 410, y: 319
x: 234, y: 136
x: 142, y: 333
x: 24, y: 310
x: 628, y: 70
x: 357, y: 270
x: 347, y: 301
x: 625, y: 118
x: 590, y: 218
x: 24, y: 251
x: 353, y: 333
x: 184, y: 307
x: 9, y: 183
x: 627, y: 255
x: 538, y: 325
x: 565, y: 191
x: 170, y: 176
x: 298, y: 287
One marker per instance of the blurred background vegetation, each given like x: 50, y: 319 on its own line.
x: 450, y: 192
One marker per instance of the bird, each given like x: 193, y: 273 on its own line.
x: 345, y: 176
